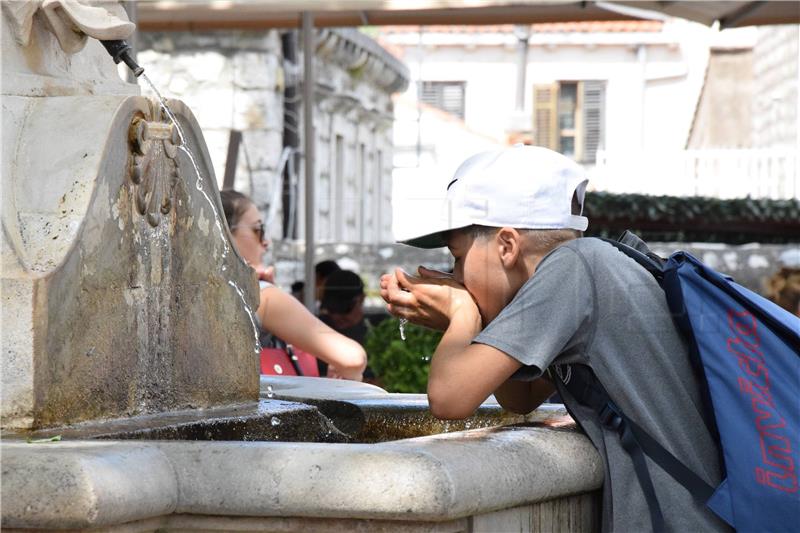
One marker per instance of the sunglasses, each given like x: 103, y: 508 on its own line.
x: 258, y: 229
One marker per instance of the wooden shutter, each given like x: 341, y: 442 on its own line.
x: 453, y: 98
x: 545, y: 115
x: 594, y: 103
x: 445, y: 95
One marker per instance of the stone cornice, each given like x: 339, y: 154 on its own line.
x: 363, y: 57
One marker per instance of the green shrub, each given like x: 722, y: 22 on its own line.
x: 401, y: 366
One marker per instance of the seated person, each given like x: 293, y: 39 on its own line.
x: 299, y: 290
x: 322, y: 270
x: 342, y: 307
x: 280, y: 313
x: 342, y: 304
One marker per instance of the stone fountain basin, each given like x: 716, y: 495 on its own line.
x: 297, y: 409
x: 368, y: 414
x: 265, y: 420
x: 450, y: 479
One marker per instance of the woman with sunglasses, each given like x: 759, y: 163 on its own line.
x: 280, y: 313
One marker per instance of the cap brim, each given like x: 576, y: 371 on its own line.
x: 429, y: 241
x: 434, y: 239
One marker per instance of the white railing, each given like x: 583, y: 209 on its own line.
x: 734, y: 173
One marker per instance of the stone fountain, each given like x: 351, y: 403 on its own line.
x: 131, y: 398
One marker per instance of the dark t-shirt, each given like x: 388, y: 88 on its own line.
x: 588, y: 303
x: 357, y: 332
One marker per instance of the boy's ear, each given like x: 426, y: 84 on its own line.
x: 509, y: 246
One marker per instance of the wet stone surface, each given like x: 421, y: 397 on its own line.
x: 267, y: 420
x: 372, y: 420
x: 365, y: 420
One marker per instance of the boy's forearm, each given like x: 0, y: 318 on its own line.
x: 463, y: 327
x: 445, y: 374
x: 463, y: 374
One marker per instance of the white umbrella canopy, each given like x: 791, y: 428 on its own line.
x: 199, y: 15
x: 729, y: 14
x: 257, y: 14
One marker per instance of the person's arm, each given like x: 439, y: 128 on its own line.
x: 285, y: 317
x: 462, y: 374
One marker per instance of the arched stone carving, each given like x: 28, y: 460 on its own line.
x: 121, y: 293
x: 154, y: 172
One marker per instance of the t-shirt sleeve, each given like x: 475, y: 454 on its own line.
x: 551, y: 315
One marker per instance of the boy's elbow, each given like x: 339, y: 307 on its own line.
x: 446, y: 412
x: 447, y: 406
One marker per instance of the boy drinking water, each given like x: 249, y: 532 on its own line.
x: 529, y: 300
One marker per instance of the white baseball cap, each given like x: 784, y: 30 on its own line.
x: 523, y: 187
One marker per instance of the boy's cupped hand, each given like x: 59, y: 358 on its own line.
x: 430, y: 299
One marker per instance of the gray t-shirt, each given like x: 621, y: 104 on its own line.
x: 588, y: 303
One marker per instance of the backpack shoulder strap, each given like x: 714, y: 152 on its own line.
x: 635, y: 248
x: 584, y: 386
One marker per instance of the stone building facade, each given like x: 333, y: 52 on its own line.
x: 236, y: 81
x: 776, y: 75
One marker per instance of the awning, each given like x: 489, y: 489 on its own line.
x: 729, y: 14
x: 166, y: 15
x: 199, y: 15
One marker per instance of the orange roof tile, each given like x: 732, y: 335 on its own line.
x: 607, y: 26
x: 602, y: 26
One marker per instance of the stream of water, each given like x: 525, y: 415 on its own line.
x: 199, y: 185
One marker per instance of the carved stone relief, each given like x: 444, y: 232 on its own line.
x: 154, y: 170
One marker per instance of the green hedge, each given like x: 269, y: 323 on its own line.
x: 401, y: 366
x: 694, y: 219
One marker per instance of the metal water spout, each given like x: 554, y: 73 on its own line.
x: 121, y: 51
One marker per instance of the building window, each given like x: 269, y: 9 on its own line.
x: 445, y: 95
x: 568, y: 116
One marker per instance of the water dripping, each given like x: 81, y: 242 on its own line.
x: 270, y: 393
x: 403, y: 322
x: 275, y: 421
x: 250, y: 314
x: 217, y: 218
x: 166, y: 109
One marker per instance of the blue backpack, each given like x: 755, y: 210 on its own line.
x: 747, y: 349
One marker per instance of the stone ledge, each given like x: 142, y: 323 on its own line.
x: 81, y: 484
x: 437, y: 478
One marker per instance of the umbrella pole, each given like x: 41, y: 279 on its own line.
x: 308, y: 133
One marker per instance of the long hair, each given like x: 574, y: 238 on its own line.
x: 234, y: 205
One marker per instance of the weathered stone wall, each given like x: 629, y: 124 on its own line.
x: 235, y: 81
x: 354, y: 115
x: 231, y: 81
x: 776, y: 60
x: 729, y: 85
